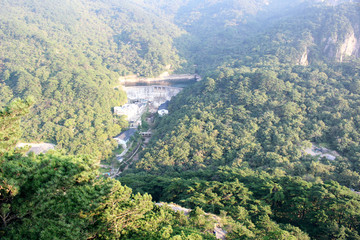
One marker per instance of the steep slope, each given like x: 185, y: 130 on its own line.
x: 69, y: 56
x: 62, y: 197
x: 297, y: 32
x: 316, y: 34
x: 235, y: 142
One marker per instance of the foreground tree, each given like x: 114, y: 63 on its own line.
x: 52, y: 196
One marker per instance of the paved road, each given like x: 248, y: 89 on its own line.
x: 128, y: 162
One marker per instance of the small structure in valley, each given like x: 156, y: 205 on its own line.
x: 133, y: 112
x: 163, y: 109
x: 124, y: 137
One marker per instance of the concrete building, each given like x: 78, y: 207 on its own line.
x: 163, y: 109
x: 133, y: 112
x: 124, y: 137
x: 163, y: 112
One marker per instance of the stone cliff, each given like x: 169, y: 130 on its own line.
x: 335, y: 46
x: 304, y: 61
x: 339, y: 49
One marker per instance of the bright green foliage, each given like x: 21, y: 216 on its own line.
x: 232, y: 144
x: 256, y: 203
x: 264, y: 124
x: 263, y: 119
x: 69, y: 57
x: 58, y: 197
x: 62, y: 197
x: 255, y: 115
x: 10, y: 123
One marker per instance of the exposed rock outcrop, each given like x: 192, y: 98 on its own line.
x: 304, y: 58
x: 350, y: 47
x: 37, y: 148
x: 339, y: 50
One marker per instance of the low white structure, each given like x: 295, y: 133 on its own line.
x: 132, y: 111
x: 163, y: 112
x: 163, y: 109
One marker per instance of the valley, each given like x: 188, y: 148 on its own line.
x: 147, y: 101
x: 180, y: 119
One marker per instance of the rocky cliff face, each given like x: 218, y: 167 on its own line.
x: 338, y: 49
x: 335, y: 46
x: 350, y: 47
x: 304, y: 61
x: 334, y: 34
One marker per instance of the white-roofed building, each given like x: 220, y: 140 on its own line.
x: 132, y: 111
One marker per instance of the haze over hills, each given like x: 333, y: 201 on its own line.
x: 280, y: 80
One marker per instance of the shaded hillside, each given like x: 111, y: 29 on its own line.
x: 315, y: 34
x: 70, y: 56
x: 296, y: 32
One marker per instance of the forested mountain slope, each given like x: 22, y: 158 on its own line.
x: 277, y: 76
x: 258, y: 122
x: 295, y: 31
x: 235, y: 141
x: 69, y: 57
x: 314, y: 34
x: 62, y: 197
x: 264, y: 97
x: 74, y: 53
x: 216, y: 29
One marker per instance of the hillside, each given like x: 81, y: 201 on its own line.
x: 280, y: 80
x: 69, y: 56
x: 237, y: 139
x: 298, y: 34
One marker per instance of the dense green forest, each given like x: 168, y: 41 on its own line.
x: 69, y: 57
x: 259, y: 132
x: 61, y: 197
x: 278, y: 76
x: 235, y: 141
x: 266, y: 122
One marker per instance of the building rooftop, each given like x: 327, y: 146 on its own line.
x: 165, y: 105
x: 125, y: 136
